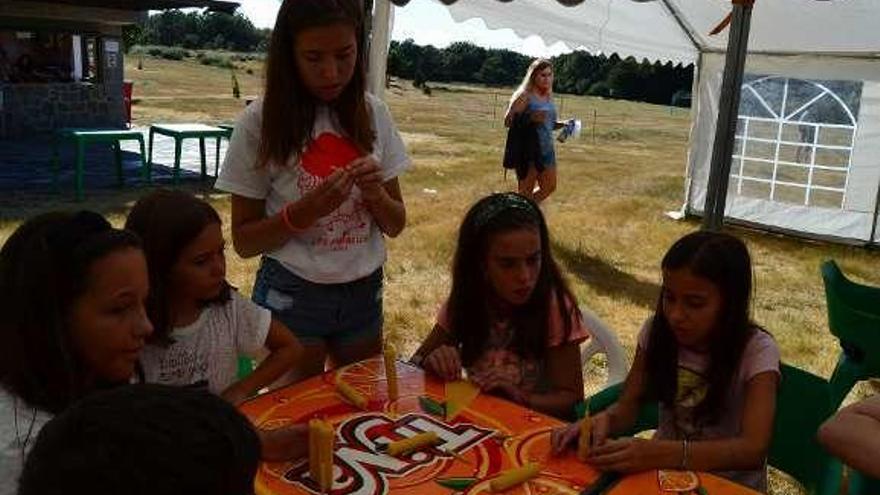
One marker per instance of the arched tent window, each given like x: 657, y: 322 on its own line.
x: 794, y: 140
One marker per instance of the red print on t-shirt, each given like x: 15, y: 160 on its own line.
x: 328, y: 152
x: 348, y: 225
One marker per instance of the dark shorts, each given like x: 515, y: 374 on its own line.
x: 335, y: 314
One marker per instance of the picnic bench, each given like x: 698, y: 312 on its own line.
x: 179, y: 132
x: 82, y: 138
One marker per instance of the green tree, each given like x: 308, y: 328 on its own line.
x: 493, y: 71
x: 132, y: 34
x: 503, y: 67
x: 405, y: 57
x: 168, y: 28
x: 575, y: 72
x: 462, y: 60
x: 430, y: 64
x: 215, y: 30
x: 625, y: 80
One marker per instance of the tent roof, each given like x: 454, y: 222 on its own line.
x: 215, y: 5
x: 677, y: 30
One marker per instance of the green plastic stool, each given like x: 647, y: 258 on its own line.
x: 802, y: 405
x: 854, y: 318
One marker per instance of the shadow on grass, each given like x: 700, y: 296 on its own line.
x: 18, y: 206
x: 454, y: 89
x: 29, y: 187
x: 605, y: 278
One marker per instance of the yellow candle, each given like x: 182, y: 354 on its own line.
x: 586, y: 431
x: 351, y: 394
x: 390, y: 356
x: 513, y: 477
x: 313, y: 448
x: 326, y: 457
x: 321, y: 440
x: 407, y: 445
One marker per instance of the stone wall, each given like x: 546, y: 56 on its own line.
x: 40, y: 108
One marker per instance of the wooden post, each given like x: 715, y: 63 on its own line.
x: 595, y: 117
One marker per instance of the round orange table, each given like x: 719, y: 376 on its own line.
x: 646, y: 484
x: 488, y: 437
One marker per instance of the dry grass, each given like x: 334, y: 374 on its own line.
x: 607, y: 218
x: 173, y: 91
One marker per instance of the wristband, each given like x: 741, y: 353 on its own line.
x: 285, y: 217
x: 684, y: 455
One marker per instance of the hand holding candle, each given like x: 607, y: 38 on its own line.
x: 583, y: 450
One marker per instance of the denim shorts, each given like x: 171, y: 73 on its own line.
x: 335, y: 314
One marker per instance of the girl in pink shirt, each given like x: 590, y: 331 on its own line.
x: 510, y: 320
x: 703, y: 359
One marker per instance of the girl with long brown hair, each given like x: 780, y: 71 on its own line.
x: 711, y: 368
x: 312, y: 168
x: 510, y: 322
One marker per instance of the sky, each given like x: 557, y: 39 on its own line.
x: 427, y: 22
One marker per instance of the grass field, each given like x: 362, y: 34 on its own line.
x: 607, y: 218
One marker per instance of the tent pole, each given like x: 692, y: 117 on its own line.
x: 728, y: 109
x: 380, y: 35
x: 368, y: 25
x: 684, y: 27
x: 872, y: 239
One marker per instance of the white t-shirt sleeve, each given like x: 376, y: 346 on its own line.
x: 390, y: 149
x: 16, y: 443
x: 250, y: 323
x: 240, y: 174
x: 761, y: 355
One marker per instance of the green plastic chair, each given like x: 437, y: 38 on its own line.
x: 854, y: 318
x: 803, y: 404
x: 859, y: 484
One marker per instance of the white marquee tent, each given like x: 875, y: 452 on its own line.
x: 806, y: 156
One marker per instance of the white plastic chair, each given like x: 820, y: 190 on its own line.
x: 603, y: 340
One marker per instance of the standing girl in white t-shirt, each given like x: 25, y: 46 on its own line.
x: 312, y: 168
x: 712, y: 369
x: 202, y: 325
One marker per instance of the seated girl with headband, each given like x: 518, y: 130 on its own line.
x: 510, y: 320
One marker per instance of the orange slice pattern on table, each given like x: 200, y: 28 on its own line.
x: 368, y: 379
x: 677, y: 481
